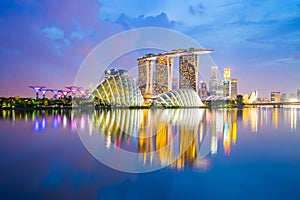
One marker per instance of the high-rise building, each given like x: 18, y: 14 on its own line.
x: 226, y: 82
x: 275, y: 96
x: 298, y: 95
x: 146, y: 77
x: 233, y: 88
x: 220, y: 90
x: 227, y: 88
x: 164, y: 74
x: 188, y: 72
x: 142, y: 76
x: 158, y: 79
x: 292, y: 98
x: 213, y: 83
x: 226, y: 75
x: 283, y: 97
x: 203, y: 89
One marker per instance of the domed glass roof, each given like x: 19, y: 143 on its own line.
x: 179, y: 98
x: 216, y: 98
x: 118, y: 90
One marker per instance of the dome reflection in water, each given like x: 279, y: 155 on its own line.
x: 168, y: 137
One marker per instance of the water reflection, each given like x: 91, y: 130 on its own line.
x: 152, y: 132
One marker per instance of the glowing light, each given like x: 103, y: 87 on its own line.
x: 226, y: 139
x: 234, y: 130
x: 293, y: 119
x: 108, y: 141
x: 293, y: 100
x: 64, y: 121
x: 43, y: 123
x: 55, y: 122
x: 82, y: 123
x: 36, y: 125
x: 65, y: 93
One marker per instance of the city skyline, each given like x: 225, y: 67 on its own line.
x: 44, y: 43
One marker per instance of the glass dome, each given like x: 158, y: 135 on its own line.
x: 216, y: 98
x: 118, y: 90
x: 179, y: 98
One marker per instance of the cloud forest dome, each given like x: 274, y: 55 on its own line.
x: 179, y: 98
x: 118, y: 90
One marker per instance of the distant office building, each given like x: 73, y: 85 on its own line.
x: 298, y: 95
x: 292, y: 97
x: 226, y: 74
x: 227, y: 82
x: 275, y: 96
x: 213, y: 83
x: 259, y: 99
x: 283, y: 97
x: 203, y: 90
x: 163, y: 74
x: 175, y: 83
x: 220, y: 90
x: 188, y: 72
x: 227, y: 88
x: 233, y: 88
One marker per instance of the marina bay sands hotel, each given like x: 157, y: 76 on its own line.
x: 156, y: 70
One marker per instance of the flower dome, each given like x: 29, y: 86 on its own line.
x: 179, y: 98
x: 118, y: 90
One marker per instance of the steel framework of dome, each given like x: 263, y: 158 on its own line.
x: 179, y: 98
x: 118, y: 90
x: 216, y: 98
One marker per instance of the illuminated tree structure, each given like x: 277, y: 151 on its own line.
x: 37, y: 89
x: 65, y: 93
x: 56, y: 93
x: 44, y: 91
x: 74, y: 90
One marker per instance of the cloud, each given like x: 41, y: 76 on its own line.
x: 197, y: 10
x: 285, y: 60
x: 160, y: 20
x: 42, y: 41
x: 57, y: 37
x: 45, y: 42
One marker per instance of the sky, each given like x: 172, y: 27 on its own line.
x: 45, y: 42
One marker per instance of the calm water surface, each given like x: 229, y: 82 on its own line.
x: 199, y: 153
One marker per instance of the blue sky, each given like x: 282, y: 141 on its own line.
x: 44, y: 42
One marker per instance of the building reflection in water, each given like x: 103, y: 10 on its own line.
x: 165, y: 135
x: 293, y: 119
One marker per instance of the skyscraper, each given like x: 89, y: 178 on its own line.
x: 275, y: 96
x: 233, y: 88
x: 164, y: 74
x: 226, y: 75
x: 226, y: 82
x: 213, y: 83
x: 298, y: 95
x: 146, y: 71
x: 283, y: 97
x: 142, y: 75
x: 188, y: 72
x: 203, y: 89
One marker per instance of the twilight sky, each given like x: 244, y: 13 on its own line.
x: 44, y: 42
